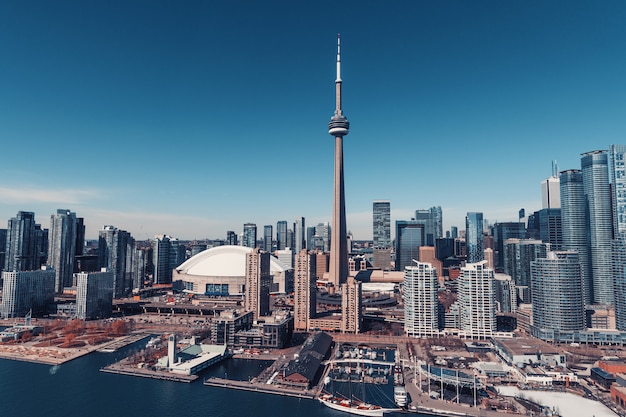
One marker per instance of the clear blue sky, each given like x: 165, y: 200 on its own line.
x: 192, y: 118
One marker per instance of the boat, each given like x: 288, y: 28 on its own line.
x: 356, y: 407
x: 400, y: 396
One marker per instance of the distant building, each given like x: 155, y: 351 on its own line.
x: 249, y: 235
x: 381, y: 211
x: 94, y: 295
x: 432, y: 220
x: 550, y: 192
x: 501, y: 233
x: 617, y: 169
x: 167, y: 254
x: 24, y: 291
x: 421, y: 306
x: 281, y: 235
x: 231, y: 238
x: 409, y: 238
x: 304, y: 300
x: 267, y: 238
x: 518, y: 255
x: 506, y: 293
x: 299, y: 229
x: 477, y: 301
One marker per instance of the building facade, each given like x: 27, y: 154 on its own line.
x: 94, y: 295
x: 115, y: 250
x: 351, y: 306
x: 26, y: 243
x: 381, y: 227
x: 27, y: 291
x: 421, y: 306
x: 249, y: 235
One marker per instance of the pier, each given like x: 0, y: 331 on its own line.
x: 258, y: 387
x: 146, y: 373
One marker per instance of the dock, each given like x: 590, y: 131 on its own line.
x: 146, y: 373
x: 120, y: 343
x: 256, y: 387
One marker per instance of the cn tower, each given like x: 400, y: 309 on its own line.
x: 338, y: 128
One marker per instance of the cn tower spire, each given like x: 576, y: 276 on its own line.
x: 338, y: 128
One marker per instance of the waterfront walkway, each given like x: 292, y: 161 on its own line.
x: 260, y: 387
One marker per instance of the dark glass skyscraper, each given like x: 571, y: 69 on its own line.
x: 409, y: 238
x: 381, y: 224
x: 432, y: 220
x: 474, y: 239
x: 281, y: 235
x: 25, y: 243
x: 62, y: 247
x: 249, y: 235
x: 267, y: 238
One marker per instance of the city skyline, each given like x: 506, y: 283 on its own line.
x: 154, y: 118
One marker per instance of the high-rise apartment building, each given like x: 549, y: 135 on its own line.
x: 338, y: 128
x: 114, y: 246
x: 257, y: 283
x: 3, y: 248
x: 27, y: 291
x: 167, y: 254
x: 476, y: 298
x: 502, y: 231
x: 381, y: 210
x: 351, y: 306
x: 432, y: 220
x: 62, y: 247
x: 304, y: 290
x: 268, y: 235
x: 474, y: 239
x: 557, y: 293
x: 138, y: 267
x: 281, y: 235
x: 574, y: 225
x: 409, y: 238
x: 421, y: 306
x: 26, y: 245
x: 94, y: 295
x: 598, y: 197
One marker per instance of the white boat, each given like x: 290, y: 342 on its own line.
x: 400, y: 396
x: 359, y: 408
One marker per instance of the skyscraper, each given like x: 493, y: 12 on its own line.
x: 421, y: 306
x: 113, y: 254
x: 597, y: 195
x: 518, y: 256
x: 574, y: 224
x: 476, y: 300
x: 619, y: 274
x: 268, y: 234
x: 249, y: 235
x: 409, y: 238
x: 557, y: 293
x: 338, y: 128
x: 502, y: 232
x: 281, y: 235
x: 24, y: 243
x: 231, y: 238
x: 304, y: 292
x: 474, y: 240
x: 62, y: 247
x: 166, y: 256
x: 381, y: 210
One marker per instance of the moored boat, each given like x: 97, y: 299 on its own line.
x: 360, y: 408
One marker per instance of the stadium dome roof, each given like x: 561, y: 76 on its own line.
x: 224, y: 261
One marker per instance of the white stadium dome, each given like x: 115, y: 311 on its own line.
x: 222, y: 270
